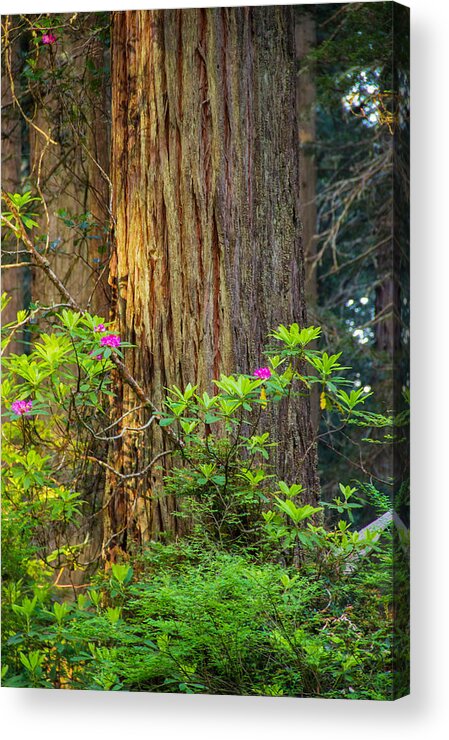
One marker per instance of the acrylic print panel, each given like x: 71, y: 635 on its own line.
x: 205, y: 345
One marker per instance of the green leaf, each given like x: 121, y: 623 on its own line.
x: 167, y: 421
x: 211, y: 418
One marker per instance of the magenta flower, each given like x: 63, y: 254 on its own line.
x: 48, y: 38
x: 97, y: 357
x: 100, y: 327
x: 110, y: 340
x: 263, y: 373
x: 21, y: 407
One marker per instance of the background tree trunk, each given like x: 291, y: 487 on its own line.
x: 208, y: 250
x: 72, y: 173
x: 13, y: 278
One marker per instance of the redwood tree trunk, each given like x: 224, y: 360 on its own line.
x: 305, y: 37
x: 208, y: 250
x: 305, y: 31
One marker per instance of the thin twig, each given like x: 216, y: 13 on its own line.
x: 128, y: 476
x: 19, y: 230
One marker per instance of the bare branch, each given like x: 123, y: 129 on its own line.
x: 129, y: 476
x: 19, y: 230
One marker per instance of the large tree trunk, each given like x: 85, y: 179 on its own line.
x: 208, y: 250
x: 305, y: 32
x: 305, y: 38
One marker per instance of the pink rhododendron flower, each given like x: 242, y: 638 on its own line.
x: 100, y: 327
x: 263, y: 373
x: 110, y: 340
x: 97, y: 357
x: 21, y: 407
x: 48, y: 38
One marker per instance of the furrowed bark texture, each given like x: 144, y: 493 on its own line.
x: 305, y: 36
x: 306, y: 100
x: 206, y: 191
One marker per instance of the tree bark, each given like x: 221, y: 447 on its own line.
x: 206, y: 203
x: 305, y: 40
x: 305, y: 37
x: 13, y: 278
x: 72, y: 172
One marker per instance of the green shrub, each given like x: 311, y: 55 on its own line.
x: 262, y: 597
x: 219, y: 623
